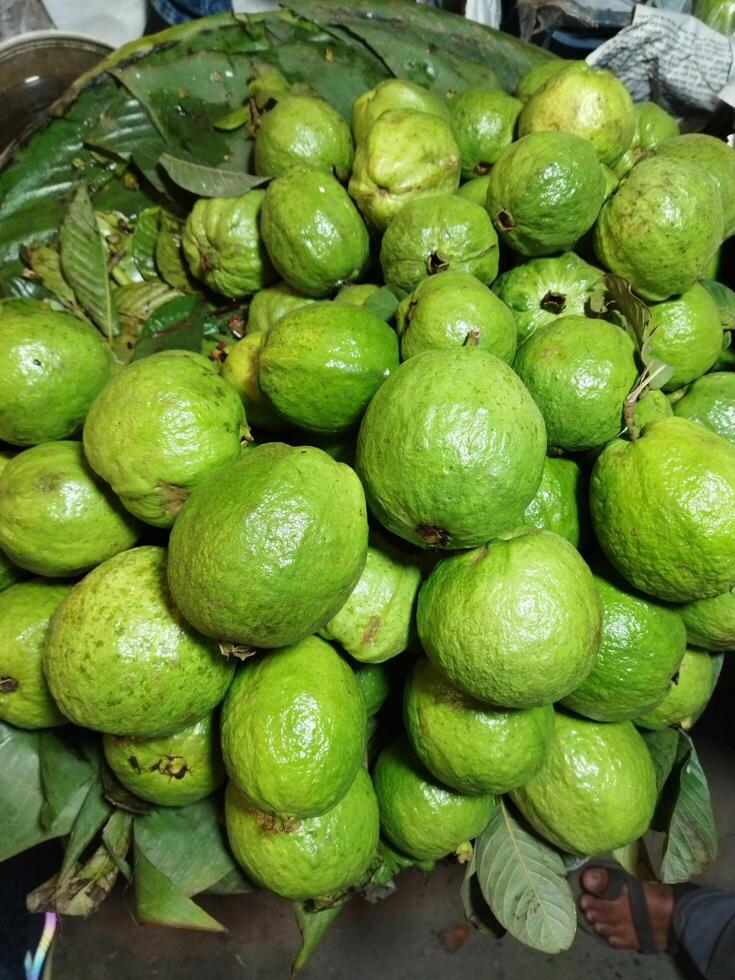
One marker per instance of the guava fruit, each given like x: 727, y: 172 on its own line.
x: 455, y: 309
x: 468, y: 745
x: 539, y: 75
x: 560, y: 501
x: 475, y: 190
x: 541, y: 290
x: 661, y: 227
x: 389, y: 95
x: 712, y: 155
x: 439, y: 234
x: 10, y: 573
x: 641, y: 647
x: 484, y: 123
x: 663, y: 510
x: 241, y: 370
x: 293, y: 729
x: 320, y: 365
x: 376, y: 622
x: 356, y: 294
x: 596, y: 791
x: 25, y: 611
x: 52, y: 367
x: 686, y: 333
x: 545, y: 192
x: 467, y: 409
x: 418, y: 815
x: 710, y: 400
x: 223, y: 245
x: 119, y: 658
x: 173, y: 770
x: 590, y: 102
x: 375, y: 683
x: 268, y: 306
x: 652, y: 405
x: 312, y: 858
x: 710, y: 623
x: 515, y: 623
x: 269, y: 548
x: 56, y: 518
x: 404, y: 155
x: 159, y: 428
x: 717, y: 14
x: 313, y: 232
x: 301, y: 129
x: 687, y: 697
x: 579, y: 371
x: 653, y: 125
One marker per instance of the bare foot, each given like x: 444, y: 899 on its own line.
x: 614, y: 919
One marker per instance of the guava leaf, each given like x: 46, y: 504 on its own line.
x: 158, y: 900
x: 169, y: 259
x: 176, y: 325
x: 234, y: 882
x: 663, y: 746
x: 208, y: 181
x: 117, y: 835
x: 313, y: 924
x: 384, y: 301
x: 70, y: 759
x: 124, y: 128
x: 135, y: 304
x: 45, y: 263
x: 118, y: 796
x: 84, y: 262
x: 144, y: 242
x: 233, y: 120
x: 92, y: 815
x: 524, y: 882
x: 725, y: 299
x: 476, y: 910
x: 636, y: 313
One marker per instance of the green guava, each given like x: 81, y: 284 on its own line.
x: 470, y: 746
x: 223, y: 245
x: 595, y: 792
x: 686, y: 333
x: 711, y: 402
x: 560, y: 503
x: 120, y: 659
x: 268, y: 306
x: 710, y: 622
x: 52, y: 367
x: 437, y: 234
x: 389, y: 95
x: 301, y: 129
x: 375, y: 683
x: 653, y: 405
x: 717, y: 14
x: 241, y: 370
x: 321, y: 365
x: 356, y: 294
x: 10, y: 573
x: 313, y: 232
x: 452, y: 310
x: 688, y: 695
x: 405, y: 154
x: 269, y: 548
x: 475, y: 190
x: 545, y: 192
x: 713, y: 155
x: 468, y: 410
x: 663, y: 510
x: 653, y: 125
x: 539, y: 75
x: 159, y: 428
x: 484, y: 123
x: 515, y: 623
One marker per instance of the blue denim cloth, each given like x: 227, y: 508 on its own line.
x: 177, y: 11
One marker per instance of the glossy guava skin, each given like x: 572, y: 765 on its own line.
x: 320, y: 365
x: 52, y: 366
x: 375, y: 683
x: 710, y: 401
x: 293, y: 729
x: 455, y: 309
x: 661, y: 227
x: 515, y: 623
x: 303, y: 129
x: 539, y: 75
x: 10, y: 573
x: 432, y: 235
x: 404, y: 155
x: 268, y: 306
x: 56, y: 517
x: 469, y: 410
x: 418, y: 815
x: 689, y: 693
x: 356, y: 294
x: 653, y: 125
x: 560, y: 503
x: 541, y: 290
x: 710, y: 623
x: 376, y: 622
x: 241, y: 370
x: 596, y: 791
x: 25, y: 611
x: 159, y: 428
x: 475, y: 190
x: 579, y: 371
x: 484, y: 123
x: 119, y: 657
x: 663, y: 509
x: 641, y: 647
x: 223, y: 246
x: 391, y: 94
x: 653, y: 405
x: 468, y: 745
x: 175, y: 770
x: 311, y: 858
x: 686, y: 333
x: 545, y: 192
x: 712, y: 155
x: 313, y: 232
x: 268, y: 550
x: 718, y: 14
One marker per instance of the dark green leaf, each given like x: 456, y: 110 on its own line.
x: 118, y: 796
x: 45, y: 262
x: 725, y: 299
x: 208, y: 181
x: 84, y: 262
x: 135, y: 304
x: 177, y: 325
x: 234, y: 883
x: 158, y: 900
x: 117, y: 835
x: 23, y: 287
x: 312, y: 923
x: 663, y: 746
x: 124, y: 194
x: 169, y: 260
x: 124, y: 128
x: 90, y: 819
x: 69, y: 767
x: 144, y: 242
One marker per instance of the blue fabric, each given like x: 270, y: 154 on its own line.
x: 704, y: 920
x: 177, y: 11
